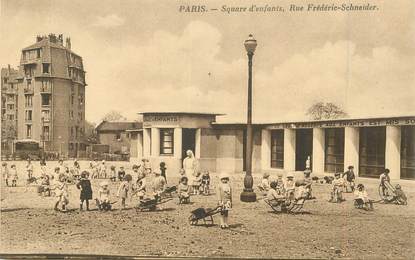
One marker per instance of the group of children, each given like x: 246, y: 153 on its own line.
x: 10, y: 176
x: 286, y: 190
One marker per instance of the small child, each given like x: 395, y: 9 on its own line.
x: 280, y: 183
x: 361, y: 194
x: 401, y: 198
x: 307, y: 184
x: 13, y: 175
x: 29, y: 169
x: 275, y: 196
x: 121, y: 173
x: 308, y: 163
x: 196, y: 183
x: 61, y: 193
x: 45, y: 186
x: 159, y: 184
x: 103, y: 170
x: 86, y: 191
x: 5, y: 173
x: 289, y: 186
x: 140, y: 187
x: 224, y: 199
x: 385, y: 182
x: 92, y: 169
x: 183, y: 190
x: 182, y: 172
x: 264, y: 186
x: 206, y: 183
x: 337, y: 189
x: 163, y: 170
x: 301, y: 191
x: 103, y: 200
x: 113, y: 173
x: 147, y: 166
x: 350, y: 177
x: 123, y: 189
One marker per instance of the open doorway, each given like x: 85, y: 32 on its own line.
x: 188, y: 141
x: 303, y: 148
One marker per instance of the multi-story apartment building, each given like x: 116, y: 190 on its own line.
x: 10, y: 81
x: 50, y: 100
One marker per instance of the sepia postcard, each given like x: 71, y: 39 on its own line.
x: 211, y: 129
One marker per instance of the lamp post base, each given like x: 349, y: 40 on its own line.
x: 248, y: 195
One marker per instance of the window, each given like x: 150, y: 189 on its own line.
x: 46, y: 68
x: 72, y: 134
x: 28, y: 100
x: 11, y: 117
x: 277, y: 149
x: 28, y: 115
x: 28, y: 131
x: 46, y: 133
x: 71, y: 114
x: 166, y: 141
x: 46, y: 86
x: 408, y: 152
x: 37, y: 53
x: 46, y: 115
x: 334, y: 150
x: 45, y: 100
x: 72, y: 99
x: 10, y: 106
x: 372, y: 141
x: 118, y: 136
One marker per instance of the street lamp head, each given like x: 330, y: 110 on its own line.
x: 250, y: 44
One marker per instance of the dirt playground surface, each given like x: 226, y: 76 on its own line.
x: 326, y: 230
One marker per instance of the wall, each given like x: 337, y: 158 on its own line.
x: 109, y: 138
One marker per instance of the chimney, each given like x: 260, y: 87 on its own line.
x: 60, y: 39
x: 9, y: 69
x: 68, y: 43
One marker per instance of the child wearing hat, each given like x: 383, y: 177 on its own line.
x: 86, y: 191
x: 29, y: 169
x: 264, y: 186
x: 123, y: 189
x: 183, y: 190
x: 103, y: 200
x: 224, y: 192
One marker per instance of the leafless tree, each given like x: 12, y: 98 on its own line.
x: 321, y: 110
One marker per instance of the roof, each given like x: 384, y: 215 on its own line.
x: 313, y: 121
x: 118, y: 126
x: 47, y: 42
x: 182, y: 113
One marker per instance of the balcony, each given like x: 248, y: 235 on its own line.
x: 46, y: 89
x: 28, y: 90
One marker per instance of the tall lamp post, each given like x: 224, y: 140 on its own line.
x: 248, y: 194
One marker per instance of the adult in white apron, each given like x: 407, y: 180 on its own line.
x: 190, y: 166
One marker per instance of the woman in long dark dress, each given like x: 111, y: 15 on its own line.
x: 86, y: 191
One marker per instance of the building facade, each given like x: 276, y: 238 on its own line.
x: 50, y: 96
x: 10, y: 82
x: 370, y: 144
x: 116, y: 135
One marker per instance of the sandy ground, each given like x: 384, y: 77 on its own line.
x: 326, y: 230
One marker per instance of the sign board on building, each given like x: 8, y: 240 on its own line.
x: 346, y: 123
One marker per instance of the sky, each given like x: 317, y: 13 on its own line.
x: 147, y: 56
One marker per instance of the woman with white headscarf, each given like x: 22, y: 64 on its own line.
x: 190, y: 166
